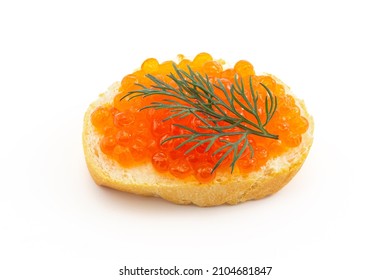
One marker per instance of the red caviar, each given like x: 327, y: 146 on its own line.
x: 132, y: 136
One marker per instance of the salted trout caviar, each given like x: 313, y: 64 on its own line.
x: 101, y: 118
x: 132, y: 136
x: 204, y: 172
x: 244, y: 68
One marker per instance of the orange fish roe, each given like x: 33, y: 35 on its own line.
x: 132, y: 136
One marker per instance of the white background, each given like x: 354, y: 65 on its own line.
x: 330, y: 222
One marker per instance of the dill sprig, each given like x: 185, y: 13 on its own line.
x: 191, y: 93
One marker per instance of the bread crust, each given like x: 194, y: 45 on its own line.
x: 225, y: 189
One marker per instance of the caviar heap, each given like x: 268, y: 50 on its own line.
x: 131, y: 135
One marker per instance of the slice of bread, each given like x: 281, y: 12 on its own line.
x: 225, y: 188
